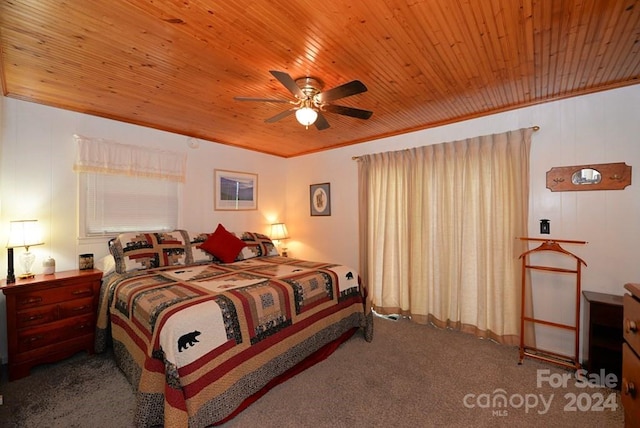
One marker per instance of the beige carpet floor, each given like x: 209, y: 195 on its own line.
x: 409, y: 376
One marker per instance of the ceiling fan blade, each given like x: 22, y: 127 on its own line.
x: 352, y: 88
x: 288, y: 83
x: 348, y: 111
x: 279, y: 116
x: 321, y: 122
x: 265, y: 100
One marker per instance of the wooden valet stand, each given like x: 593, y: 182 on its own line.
x: 551, y: 245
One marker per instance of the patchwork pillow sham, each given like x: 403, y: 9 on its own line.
x: 148, y: 250
x: 199, y: 254
x: 257, y: 245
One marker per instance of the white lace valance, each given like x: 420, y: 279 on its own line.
x: 107, y: 157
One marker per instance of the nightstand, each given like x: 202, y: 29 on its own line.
x: 603, y: 318
x: 50, y: 317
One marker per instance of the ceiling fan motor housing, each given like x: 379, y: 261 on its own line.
x: 310, y: 86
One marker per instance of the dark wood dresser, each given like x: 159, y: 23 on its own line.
x: 631, y: 357
x: 50, y: 317
x: 603, y: 321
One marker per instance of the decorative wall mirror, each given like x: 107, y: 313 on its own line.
x: 604, y: 176
x: 586, y: 176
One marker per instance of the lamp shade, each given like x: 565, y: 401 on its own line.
x: 24, y: 233
x: 306, y: 116
x: 279, y: 231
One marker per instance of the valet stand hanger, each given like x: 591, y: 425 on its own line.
x: 531, y: 351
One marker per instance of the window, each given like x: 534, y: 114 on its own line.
x: 111, y: 204
x: 126, y: 188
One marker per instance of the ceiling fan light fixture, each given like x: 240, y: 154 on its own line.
x: 311, y: 100
x: 306, y: 116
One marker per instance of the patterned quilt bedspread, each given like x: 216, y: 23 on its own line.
x: 197, y: 340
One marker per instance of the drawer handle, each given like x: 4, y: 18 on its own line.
x: 80, y: 308
x: 628, y: 388
x: 81, y: 326
x: 34, y: 339
x: 78, y: 292
x: 32, y: 300
x: 33, y: 317
x: 630, y: 326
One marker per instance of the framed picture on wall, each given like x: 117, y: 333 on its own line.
x: 235, y: 190
x: 320, y: 199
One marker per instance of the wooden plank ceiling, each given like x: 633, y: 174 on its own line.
x: 177, y: 65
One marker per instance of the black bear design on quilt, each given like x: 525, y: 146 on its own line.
x: 187, y: 340
x: 349, y: 275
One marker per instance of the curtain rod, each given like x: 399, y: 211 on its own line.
x: 534, y: 127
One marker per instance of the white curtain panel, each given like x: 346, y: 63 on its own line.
x: 438, y: 232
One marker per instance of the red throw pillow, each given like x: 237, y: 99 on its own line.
x: 223, y: 245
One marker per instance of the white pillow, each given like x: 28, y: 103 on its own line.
x: 107, y: 265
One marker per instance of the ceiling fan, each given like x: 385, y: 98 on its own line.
x: 311, y: 102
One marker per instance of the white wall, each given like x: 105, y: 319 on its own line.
x: 37, y: 181
x: 37, y: 153
x: 597, y: 128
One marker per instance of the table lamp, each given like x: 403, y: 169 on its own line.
x: 22, y: 233
x: 279, y: 232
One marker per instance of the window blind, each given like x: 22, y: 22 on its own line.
x: 118, y: 203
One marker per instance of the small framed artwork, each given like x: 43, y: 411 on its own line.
x: 235, y: 190
x: 320, y: 198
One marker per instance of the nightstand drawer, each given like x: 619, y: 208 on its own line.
x: 55, y: 333
x: 631, y: 322
x: 77, y: 307
x: 35, y: 298
x: 49, y: 313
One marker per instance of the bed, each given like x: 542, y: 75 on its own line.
x: 203, y: 324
